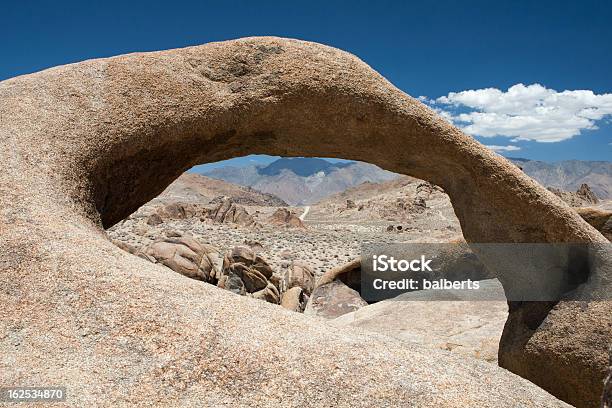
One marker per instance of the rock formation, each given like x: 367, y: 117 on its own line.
x: 584, y: 196
x: 333, y: 300
x: 295, y: 299
x: 600, y: 219
x: 403, y: 199
x: 228, y: 212
x: 349, y: 274
x: 285, y: 218
x: 174, y: 211
x: 301, y: 275
x: 154, y: 219
x: 465, y: 326
x: 585, y: 192
x: 245, y: 272
x: 86, y: 144
x: 184, y: 255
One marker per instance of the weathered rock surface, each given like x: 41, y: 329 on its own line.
x: 585, y: 192
x: 84, y: 145
x: 269, y: 294
x: 332, y: 300
x: 184, y: 255
x: 285, y: 218
x: 403, y: 200
x: 543, y: 338
x: 154, y: 219
x: 295, y: 299
x: 244, y: 272
x: 469, y: 327
x: 584, y: 196
x: 161, y: 211
x: 174, y: 210
x: 606, y: 398
x: 228, y: 212
x: 127, y: 247
x: 348, y: 273
x: 599, y: 219
x: 301, y: 275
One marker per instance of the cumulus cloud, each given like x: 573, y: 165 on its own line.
x: 508, y: 148
x: 525, y: 112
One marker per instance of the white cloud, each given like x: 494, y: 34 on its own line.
x: 508, y: 148
x: 530, y: 112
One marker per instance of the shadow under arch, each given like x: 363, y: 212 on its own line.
x: 125, y: 127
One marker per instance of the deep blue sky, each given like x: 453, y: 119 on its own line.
x: 425, y: 48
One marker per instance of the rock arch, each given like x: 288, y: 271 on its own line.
x: 86, y: 144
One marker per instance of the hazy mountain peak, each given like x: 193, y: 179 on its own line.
x: 301, y: 166
x: 569, y: 175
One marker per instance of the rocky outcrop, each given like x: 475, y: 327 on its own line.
x: 542, y: 338
x: 469, y: 327
x: 246, y: 273
x: 348, y: 273
x: 154, y: 219
x: 333, y: 300
x: 84, y: 145
x: 599, y: 219
x: 584, y: 196
x: 423, y: 192
x: 228, y: 212
x: 269, y: 294
x: 294, y: 299
x: 285, y: 218
x: 184, y: 255
x: 585, y: 192
x: 175, y: 210
x: 196, y: 188
x: 162, y: 211
x: 298, y: 274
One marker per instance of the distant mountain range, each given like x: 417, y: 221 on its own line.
x: 302, y: 166
x: 302, y: 181
x: 568, y: 175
